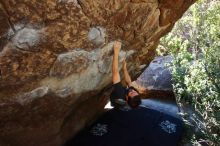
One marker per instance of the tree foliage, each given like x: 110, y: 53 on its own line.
x: 194, y: 44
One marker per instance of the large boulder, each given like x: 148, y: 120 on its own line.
x: 55, y: 60
x: 156, y: 80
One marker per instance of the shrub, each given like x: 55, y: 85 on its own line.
x: 194, y: 44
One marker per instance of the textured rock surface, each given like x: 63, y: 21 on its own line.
x: 55, y: 59
x: 155, y: 81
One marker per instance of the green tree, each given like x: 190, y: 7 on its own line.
x: 194, y: 44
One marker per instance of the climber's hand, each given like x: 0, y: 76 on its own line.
x: 117, y: 47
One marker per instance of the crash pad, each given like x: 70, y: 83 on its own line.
x: 131, y: 127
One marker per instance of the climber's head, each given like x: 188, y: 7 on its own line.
x: 133, y: 97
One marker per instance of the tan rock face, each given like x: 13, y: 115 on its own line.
x: 55, y: 60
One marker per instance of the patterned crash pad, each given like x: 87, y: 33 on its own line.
x: 131, y: 127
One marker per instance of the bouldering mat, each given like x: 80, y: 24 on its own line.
x: 131, y: 127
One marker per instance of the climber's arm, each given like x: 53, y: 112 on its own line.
x: 115, y: 70
x: 126, y: 74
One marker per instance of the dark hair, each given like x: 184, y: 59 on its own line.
x: 135, y: 101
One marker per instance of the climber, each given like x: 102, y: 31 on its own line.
x: 120, y: 95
